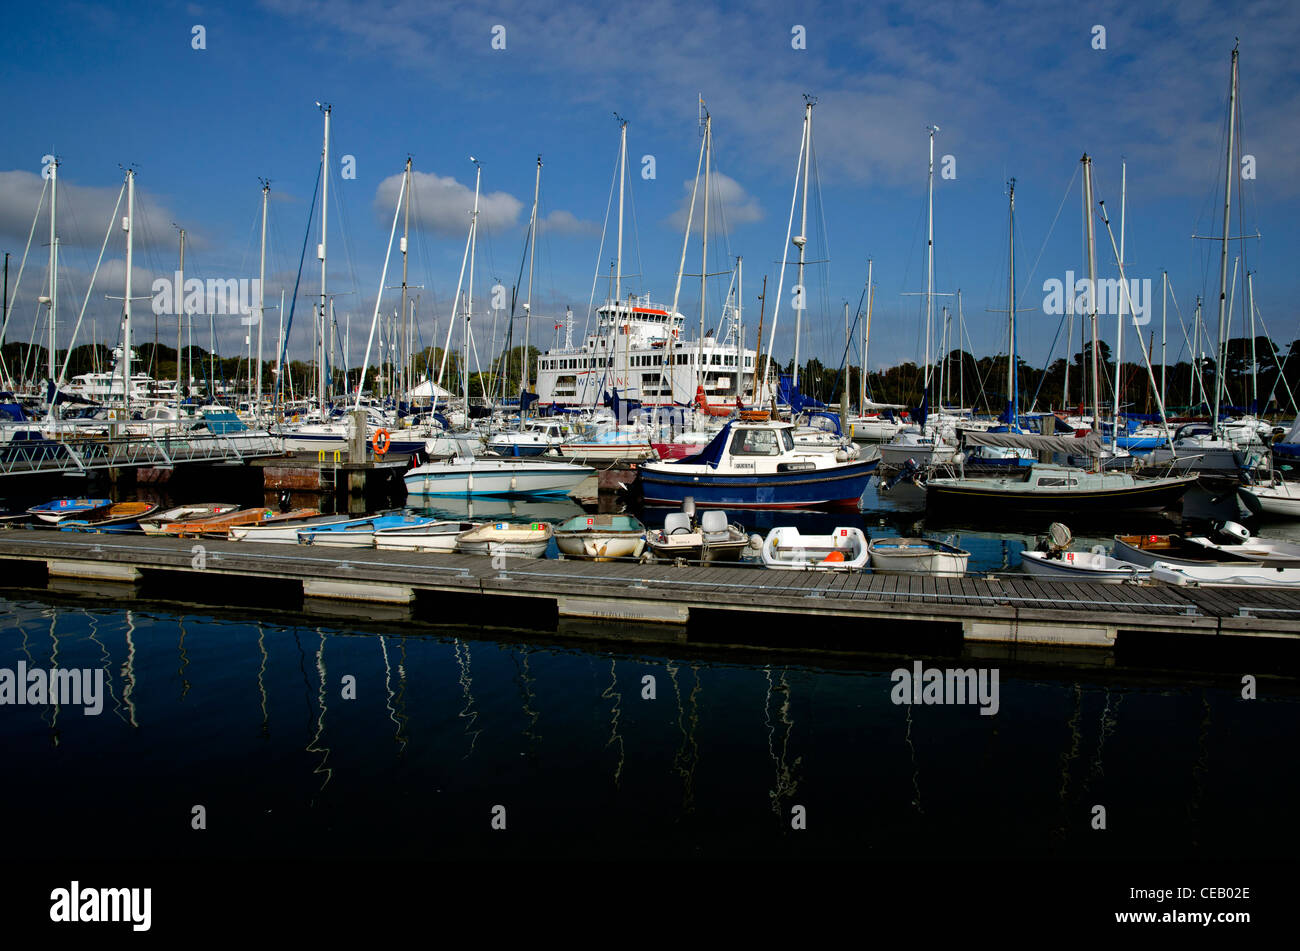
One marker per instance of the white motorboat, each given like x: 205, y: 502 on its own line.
x: 465, y: 475
x: 1081, y: 566
x: 1276, y: 498
x: 601, y: 537
x: 845, y: 549
x: 429, y: 536
x: 873, y: 428
x: 528, y: 540
x: 917, y: 556
x: 926, y: 448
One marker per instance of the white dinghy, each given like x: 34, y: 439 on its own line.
x: 845, y: 549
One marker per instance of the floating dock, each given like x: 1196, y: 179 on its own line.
x: 718, y: 605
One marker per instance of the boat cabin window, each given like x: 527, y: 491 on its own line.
x: 758, y: 442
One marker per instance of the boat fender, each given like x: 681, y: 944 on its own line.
x: 381, y: 441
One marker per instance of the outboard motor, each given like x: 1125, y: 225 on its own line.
x: 1236, y: 533
x: 1057, y: 540
x: 910, y: 471
x: 285, y: 500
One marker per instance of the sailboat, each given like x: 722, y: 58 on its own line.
x: 1047, y: 488
x: 1210, y: 449
x: 923, y: 445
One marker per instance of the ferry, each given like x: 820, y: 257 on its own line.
x: 639, y: 350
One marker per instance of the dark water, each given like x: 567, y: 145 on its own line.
x: 245, y: 715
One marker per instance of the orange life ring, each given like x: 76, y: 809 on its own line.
x: 381, y: 441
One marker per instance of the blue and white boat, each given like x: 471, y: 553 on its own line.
x: 466, y: 475
x: 357, y: 532
x: 60, y: 509
x: 535, y: 437
x: 756, y: 465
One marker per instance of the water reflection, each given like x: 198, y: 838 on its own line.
x: 1037, y: 763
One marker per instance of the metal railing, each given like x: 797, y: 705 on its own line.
x: 84, y: 453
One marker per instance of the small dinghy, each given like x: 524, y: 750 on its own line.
x: 710, y: 540
x: 1146, y: 550
x: 504, y: 538
x: 600, y: 537
x: 153, y: 525
x: 357, y: 532
x: 1242, y: 574
x: 280, y: 529
x: 1240, y: 543
x: 917, y: 556
x: 431, y: 536
x: 121, y: 513
x: 843, y: 550
x: 1081, y: 566
x: 218, y: 524
x: 56, y: 511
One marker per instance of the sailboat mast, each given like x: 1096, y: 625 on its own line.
x: 405, y: 354
x: 622, y: 174
x: 180, y: 324
x: 261, y: 295
x: 1091, y: 251
x: 929, y: 258
x: 801, y: 239
x: 704, y: 248
x: 866, y: 339
x: 532, y: 258
x: 1164, y: 330
x: 54, y: 259
x: 129, y: 227
x: 1119, y: 320
x: 321, y: 251
x: 1223, y: 256
x: 469, y: 301
x: 1013, y: 383
x: 1254, y: 375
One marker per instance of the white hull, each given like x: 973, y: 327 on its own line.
x: 844, y: 550
x: 892, y: 455
x: 916, y: 556
x: 439, y: 537
x: 1226, y: 575
x: 494, y: 477
x: 1082, y: 566
x: 607, y: 452
x: 598, y: 547
x: 502, y: 538
x: 873, y: 429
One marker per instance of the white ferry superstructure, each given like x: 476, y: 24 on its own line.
x: 639, y: 350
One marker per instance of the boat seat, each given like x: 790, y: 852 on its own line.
x: 713, y: 525
x: 677, y: 523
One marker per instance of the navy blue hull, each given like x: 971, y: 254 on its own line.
x: 841, y: 487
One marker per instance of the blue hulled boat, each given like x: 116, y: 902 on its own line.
x: 756, y: 465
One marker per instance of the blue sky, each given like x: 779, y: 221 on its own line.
x: 1016, y: 88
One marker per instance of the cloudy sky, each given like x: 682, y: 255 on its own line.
x: 1017, y: 88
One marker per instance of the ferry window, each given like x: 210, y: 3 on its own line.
x: 787, y: 439
x: 755, y: 442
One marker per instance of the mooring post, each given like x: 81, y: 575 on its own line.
x: 357, y: 444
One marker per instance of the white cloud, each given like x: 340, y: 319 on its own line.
x: 729, y: 205
x: 83, y: 214
x: 565, y: 222
x: 443, y: 205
